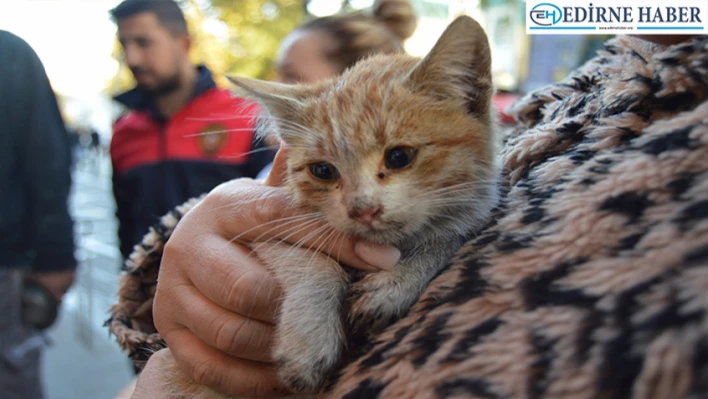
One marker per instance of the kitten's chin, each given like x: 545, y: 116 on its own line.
x: 388, y: 233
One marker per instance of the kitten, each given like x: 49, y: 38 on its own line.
x: 397, y: 150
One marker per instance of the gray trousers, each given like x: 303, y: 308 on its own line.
x: 20, y: 346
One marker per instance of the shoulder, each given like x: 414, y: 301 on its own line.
x: 14, y: 47
x: 128, y: 118
x: 10, y: 41
x: 22, y: 62
x: 127, y: 123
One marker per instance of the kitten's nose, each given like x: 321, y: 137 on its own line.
x: 366, y: 215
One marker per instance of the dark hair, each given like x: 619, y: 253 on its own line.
x: 167, y: 11
x: 358, y: 35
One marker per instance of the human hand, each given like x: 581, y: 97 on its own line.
x: 152, y: 382
x: 57, y: 283
x: 215, y: 303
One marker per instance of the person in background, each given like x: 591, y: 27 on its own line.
x: 325, y: 47
x: 37, y: 242
x: 182, y: 136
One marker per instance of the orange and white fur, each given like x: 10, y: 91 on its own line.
x: 397, y: 150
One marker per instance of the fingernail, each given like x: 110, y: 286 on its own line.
x: 380, y: 256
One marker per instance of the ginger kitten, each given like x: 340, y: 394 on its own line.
x: 397, y: 150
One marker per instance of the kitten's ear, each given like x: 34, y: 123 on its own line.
x: 458, y: 67
x: 283, y: 104
x: 279, y: 99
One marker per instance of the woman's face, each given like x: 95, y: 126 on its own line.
x: 302, y: 57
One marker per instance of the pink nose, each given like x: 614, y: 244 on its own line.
x: 366, y: 216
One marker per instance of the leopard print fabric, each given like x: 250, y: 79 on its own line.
x: 591, y: 278
x: 131, y: 319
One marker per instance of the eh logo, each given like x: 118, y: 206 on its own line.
x: 546, y: 14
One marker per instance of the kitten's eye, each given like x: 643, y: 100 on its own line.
x: 324, y: 171
x: 399, y: 157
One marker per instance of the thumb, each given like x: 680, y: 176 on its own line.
x: 279, y: 170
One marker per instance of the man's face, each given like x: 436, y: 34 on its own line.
x: 152, y: 52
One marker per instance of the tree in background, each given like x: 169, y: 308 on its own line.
x: 239, y: 37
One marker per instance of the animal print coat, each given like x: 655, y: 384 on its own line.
x: 591, y: 278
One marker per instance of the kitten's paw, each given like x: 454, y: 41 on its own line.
x: 377, y: 301
x: 303, y: 374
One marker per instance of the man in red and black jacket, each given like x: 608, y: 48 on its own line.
x: 182, y: 136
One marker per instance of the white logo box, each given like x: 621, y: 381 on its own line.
x: 611, y: 17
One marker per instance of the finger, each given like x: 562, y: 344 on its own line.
x: 228, y: 332
x: 280, y: 168
x: 226, y: 274
x: 271, y: 217
x: 207, y: 366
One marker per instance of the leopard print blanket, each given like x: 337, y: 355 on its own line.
x: 591, y: 278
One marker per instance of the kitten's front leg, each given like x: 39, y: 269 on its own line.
x: 309, y: 336
x: 381, y: 298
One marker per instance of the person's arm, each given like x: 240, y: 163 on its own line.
x: 45, y: 164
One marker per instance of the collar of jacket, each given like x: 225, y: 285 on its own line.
x: 140, y: 100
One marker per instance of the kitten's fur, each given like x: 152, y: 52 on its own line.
x: 441, y: 107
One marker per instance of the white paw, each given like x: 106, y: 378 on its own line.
x: 377, y: 301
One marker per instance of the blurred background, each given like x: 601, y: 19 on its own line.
x: 76, y: 41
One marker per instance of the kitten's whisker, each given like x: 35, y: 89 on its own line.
x: 262, y: 149
x: 299, y: 226
x: 341, y: 237
x: 234, y: 204
x: 289, y: 219
x: 221, y: 118
x: 318, y: 250
x: 218, y: 132
x: 294, y: 219
x: 295, y: 230
x: 291, y: 231
x: 263, y: 196
x: 304, y: 239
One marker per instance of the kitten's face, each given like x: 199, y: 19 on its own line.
x: 395, y: 142
x: 379, y: 159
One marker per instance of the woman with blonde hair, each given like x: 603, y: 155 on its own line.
x: 326, y: 46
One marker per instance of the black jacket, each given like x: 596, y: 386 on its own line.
x: 35, y: 177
